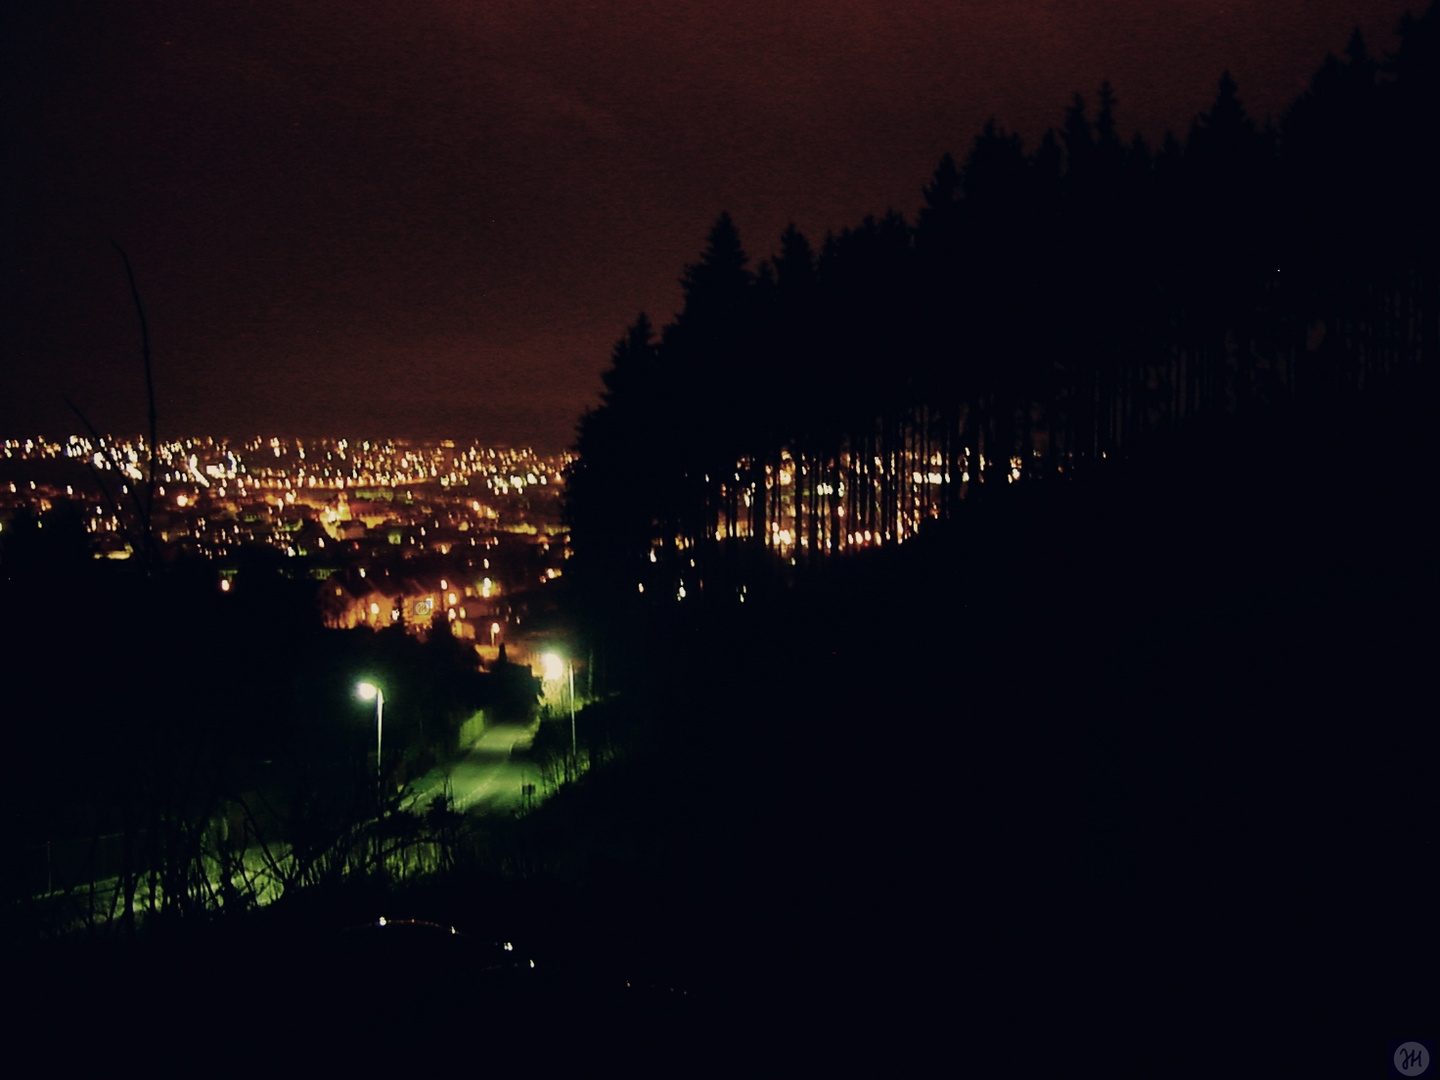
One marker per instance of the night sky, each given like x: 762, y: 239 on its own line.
x: 434, y: 218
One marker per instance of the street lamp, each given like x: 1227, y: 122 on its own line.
x: 370, y: 692
x: 554, y: 667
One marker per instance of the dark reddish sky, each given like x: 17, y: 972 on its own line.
x: 433, y: 218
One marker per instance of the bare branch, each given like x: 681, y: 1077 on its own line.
x: 135, y: 542
x: 150, y: 401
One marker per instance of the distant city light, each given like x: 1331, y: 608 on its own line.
x: 326, y: 505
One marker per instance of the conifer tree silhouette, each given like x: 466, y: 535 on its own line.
x: 1044, y: 312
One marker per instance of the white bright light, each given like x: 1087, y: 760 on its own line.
x: 552, y: 666
x: 367, y: 691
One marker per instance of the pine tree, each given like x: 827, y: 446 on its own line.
x: 613, y: 489
x: 709, y: 352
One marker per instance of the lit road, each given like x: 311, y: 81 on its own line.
x: 485, y: 778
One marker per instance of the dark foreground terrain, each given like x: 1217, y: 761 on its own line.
x: 1136, y: 773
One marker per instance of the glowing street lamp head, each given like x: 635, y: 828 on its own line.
x: 552, y: 665
x: 367, y: 691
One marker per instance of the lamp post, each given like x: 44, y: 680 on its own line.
x: 551, y: 665
x: 368, y: 692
